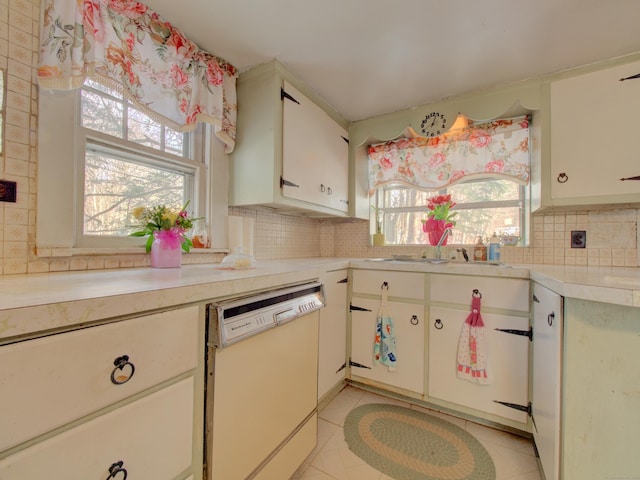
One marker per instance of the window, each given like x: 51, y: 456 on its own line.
x: 130, y: 160
x: 484, y: 166
x: 484, y: 206
x: 100, y: 157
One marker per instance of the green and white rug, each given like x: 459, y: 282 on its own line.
x: 410, y: 445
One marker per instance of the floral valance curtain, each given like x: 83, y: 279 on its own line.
x: 498, y: 148
x: 132, y: 49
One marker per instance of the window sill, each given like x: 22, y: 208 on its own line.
x: 85, y: 252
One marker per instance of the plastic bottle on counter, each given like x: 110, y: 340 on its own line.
x: 494, y: 248
x: 479, y: 251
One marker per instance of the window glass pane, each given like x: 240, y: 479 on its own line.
x: 484, y: 191
x: 114, y: 186
x: 143, y: 130
x: 485, y: 221
x: 482, y: 206
x: 101, y: 113
x: 174, y: 142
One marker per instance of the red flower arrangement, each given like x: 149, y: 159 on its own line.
x: 439, y: 218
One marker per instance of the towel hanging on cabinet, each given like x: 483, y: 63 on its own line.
x: 472, y: 345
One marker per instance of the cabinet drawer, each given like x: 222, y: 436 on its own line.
x: 401, y: 284
x: 506, y: 293
x: 50, y: 381
x: 153, y: 437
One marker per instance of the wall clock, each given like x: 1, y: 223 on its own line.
x: 433, y: 124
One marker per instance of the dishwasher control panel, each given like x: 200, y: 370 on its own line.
x: 234, y: 320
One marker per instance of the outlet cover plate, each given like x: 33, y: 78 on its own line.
x: 7, y: 191
x: 578, y: 239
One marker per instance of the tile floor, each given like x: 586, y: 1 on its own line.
x: 512, y: 455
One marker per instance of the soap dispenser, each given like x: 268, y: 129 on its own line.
x: 494, y: 248
x: 479, y: 251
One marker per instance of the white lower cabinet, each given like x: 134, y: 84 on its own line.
x: 408, y: 324
x: 547, y: 369
x: 405, y: 293
x: 504, y: 308
x: 332, y: 345
x: 149, y: 438
x: 507, y: 364
x: 77, y: 403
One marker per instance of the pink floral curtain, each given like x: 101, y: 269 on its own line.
x: 129, y: 47
x: 499, y: 148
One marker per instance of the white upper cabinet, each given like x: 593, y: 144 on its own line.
x: 594, y: 137
x: 291, y: 153
x: 315, y: 153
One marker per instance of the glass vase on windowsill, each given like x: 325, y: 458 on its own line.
x: 435, y: 229
x: 166, y: 249
x: 166, y: 231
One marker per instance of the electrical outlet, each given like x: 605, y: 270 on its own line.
x: 7, y: 191
x: 578, y: 239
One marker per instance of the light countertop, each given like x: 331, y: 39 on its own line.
x: 48, y: 302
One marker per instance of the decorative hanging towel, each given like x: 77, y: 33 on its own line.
x: 472, y: 346
x: 384, y: 347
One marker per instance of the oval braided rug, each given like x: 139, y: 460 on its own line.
x: 410, y: 445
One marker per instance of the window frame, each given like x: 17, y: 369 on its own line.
x: 60, y: 187
x: 381, y: 210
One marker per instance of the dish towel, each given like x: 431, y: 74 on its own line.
x: 384, y: 346
x: 472, y: 346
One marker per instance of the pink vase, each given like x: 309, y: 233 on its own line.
x: 164, y: 254
x: 435, y: 229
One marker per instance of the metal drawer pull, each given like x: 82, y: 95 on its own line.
x: 115, y: 469
x: 438, y: 324
x: 384, y: 285
x: 550, y: 318
x: 414, y: 320
x: 322, y: 189
x: 117, y: 375
x: 562, y: 178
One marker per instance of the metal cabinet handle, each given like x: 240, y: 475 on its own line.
x: 414, y: 320
x: 322, y: 187
x: 550, y: 318
x: 562, y: 178
x: 385, y: 285
x: 115, y: 469
x: 329, y: 191
x: 438, y: 324
x: 118, y: 377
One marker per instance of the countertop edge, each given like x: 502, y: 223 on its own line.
x: 41, y: 303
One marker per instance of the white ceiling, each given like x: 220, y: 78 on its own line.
x: 370, y: 57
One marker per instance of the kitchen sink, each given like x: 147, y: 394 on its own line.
x: 409, y: 259
x: 412, y: 259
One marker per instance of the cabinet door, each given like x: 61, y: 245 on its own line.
x: 314, y: 155
x: 593, y: 135
x: 332, y: 348
x: 408, y: 323
x: 507, y: 358
x: 547, y: 362
x: 151, y: 436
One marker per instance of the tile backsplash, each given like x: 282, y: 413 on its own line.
x: 612, y: 235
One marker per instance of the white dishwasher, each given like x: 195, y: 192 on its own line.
x: 262, y: 380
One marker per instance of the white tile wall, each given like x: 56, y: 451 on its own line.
x: 612, y: 237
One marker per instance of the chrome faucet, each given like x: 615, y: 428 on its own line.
x: 446, y: 232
